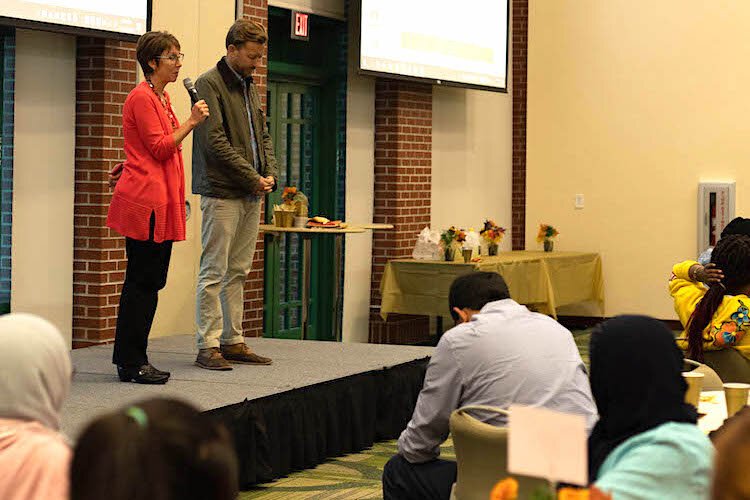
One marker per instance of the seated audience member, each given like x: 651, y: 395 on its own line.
x: 159, y: 449
x: 35, y: 380
x: 499, y: 354
x: 716, y: 318
x: 732, y: 442
x: 738, y: 225
x: 646, y: 443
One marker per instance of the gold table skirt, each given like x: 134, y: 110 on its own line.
x: 545, y: 280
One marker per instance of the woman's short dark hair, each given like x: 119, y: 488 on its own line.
x: 151, y: 45
x: 245, y: 30
x: 158, y: 449
x: 474, y: 290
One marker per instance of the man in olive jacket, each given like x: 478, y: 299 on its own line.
x: 233, y: 168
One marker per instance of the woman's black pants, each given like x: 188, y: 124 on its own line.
x: 146, y: 274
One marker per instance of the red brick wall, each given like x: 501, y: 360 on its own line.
x: 519, y: 57
x: 257, y: 10
x: 105, y: 73
x: 403, y: 170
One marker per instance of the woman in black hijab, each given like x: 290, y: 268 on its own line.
x: 646, y: 443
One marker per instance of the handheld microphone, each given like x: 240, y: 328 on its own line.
x: 188, y: 83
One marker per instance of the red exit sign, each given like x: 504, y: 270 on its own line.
x: 300, y: 25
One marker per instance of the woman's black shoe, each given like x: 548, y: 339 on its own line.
x: 156, y: 370
x: 146, y: 374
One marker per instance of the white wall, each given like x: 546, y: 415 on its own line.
x: 360, y: 183
x: 471, y: 159
x: 632, y: 103
x: 201, y: 28
x: 43, y: 177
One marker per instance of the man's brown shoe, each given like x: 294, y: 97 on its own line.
x: 242, y: 354
x: 211, y: 359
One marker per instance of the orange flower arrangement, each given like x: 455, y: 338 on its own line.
x: 288, y: 194
x: 592, y: 493
x: 294, y: 200
x: 546, y: 232
x: 573, y: 494
x: 507, y: 489
x: 492, y: 233
x: 448, y: 236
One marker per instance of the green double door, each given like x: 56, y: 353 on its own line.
x: 295, y: 124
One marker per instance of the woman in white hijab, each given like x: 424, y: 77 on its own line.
x: 35, y: 375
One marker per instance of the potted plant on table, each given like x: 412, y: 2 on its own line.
x: 546, y: 235
x: 294, y: 201
x: 493, y: 235
x: 449, y: 240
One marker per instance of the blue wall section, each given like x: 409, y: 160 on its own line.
x: 7, y: 68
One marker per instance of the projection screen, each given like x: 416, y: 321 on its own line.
x: 441, y: 41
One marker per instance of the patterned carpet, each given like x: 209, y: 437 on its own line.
x: 355, y: 476
x: 582, y: 338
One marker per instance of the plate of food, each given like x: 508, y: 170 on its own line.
x: 322, y: 222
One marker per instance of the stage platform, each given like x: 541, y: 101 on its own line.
x: 317, y: 399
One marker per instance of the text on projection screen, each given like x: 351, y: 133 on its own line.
x: 119, y: 16
x: 436, y: 40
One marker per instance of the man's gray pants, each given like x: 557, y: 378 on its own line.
x: 229, y: 231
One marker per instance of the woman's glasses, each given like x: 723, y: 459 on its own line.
x: 173, y: 57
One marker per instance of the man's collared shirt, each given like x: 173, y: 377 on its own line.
x: 505, y: 355
x: 246, y: 96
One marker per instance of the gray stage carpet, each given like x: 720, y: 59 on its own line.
x: 96, y: 388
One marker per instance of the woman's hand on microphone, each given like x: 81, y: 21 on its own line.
x: 199, y: 112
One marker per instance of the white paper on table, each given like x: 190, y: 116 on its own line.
x: 427, y: 246
x: 547, y: 444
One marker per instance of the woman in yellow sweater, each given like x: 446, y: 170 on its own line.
x: 716, y: 317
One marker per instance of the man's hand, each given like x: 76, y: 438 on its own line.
x: 266, y: 184
x: 706, y: 274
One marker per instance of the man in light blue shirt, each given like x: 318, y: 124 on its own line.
x: 499, y: 354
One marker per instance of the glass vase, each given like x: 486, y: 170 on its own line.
x: 450, y: 254
x: 549, y: 245
x: 492, y: 249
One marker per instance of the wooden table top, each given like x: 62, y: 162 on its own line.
x: 270, y: 228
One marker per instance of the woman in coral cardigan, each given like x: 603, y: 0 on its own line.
x: 148, y: 204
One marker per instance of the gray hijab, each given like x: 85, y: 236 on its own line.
x: 35, y: 369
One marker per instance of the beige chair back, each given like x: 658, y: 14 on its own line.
x: 482, y: 456
x: 711, y: 379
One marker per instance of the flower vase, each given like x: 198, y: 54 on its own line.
x: 549, y: 245
x: 450, y: 253
x: 492, y: 249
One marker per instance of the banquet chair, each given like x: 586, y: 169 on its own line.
x: 711, y: 379
x: 482, y: 456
